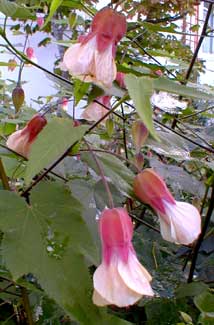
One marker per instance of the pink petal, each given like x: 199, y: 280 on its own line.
x: 111, y: 287
x: 135, y: 276
x: 19, y: 143
x: 78, y: 57
x: 184, y: 223
x: 104, y: 67
x: 99, y: 300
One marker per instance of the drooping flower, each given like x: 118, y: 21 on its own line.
x: 96, y: 111
x: 92, y: 58
x: 31, y: 55
x: 12, y: 64
x: 40, y: 20
x: 180, y: 222
x: 64, y: 104
x: 120, y: 279
x: 22, y: 140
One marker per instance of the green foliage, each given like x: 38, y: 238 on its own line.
x: 48, y: 147
x: 15, y: 10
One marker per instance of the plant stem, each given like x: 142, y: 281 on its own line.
x: 26, y: 305
x: 201, y: 237
x: 102, y: 175
x: 4, y: 177
x: 124, y: 133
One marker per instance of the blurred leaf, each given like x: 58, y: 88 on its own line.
x: 13, y: 10
x: 205, y: 303
x: 58, y: 135
x: 175, y: 87
x: 140, y: 90
x: 190, y: 289
x: 53, y: 8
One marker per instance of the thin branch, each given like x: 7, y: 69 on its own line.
x: 3, y: 176
x: 124, y: 133
x: 199, y: 43
x: 102, y: 175
x: 26, y: 305
x: 179, y: 134
x: 201, y: 237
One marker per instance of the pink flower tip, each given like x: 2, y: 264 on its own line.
x: 120, y: 79
x: 22, y: 140
x: 120, y: 279
x: 180, y: 222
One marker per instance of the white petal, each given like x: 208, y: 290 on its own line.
x: 135, y: 275
x: 105, y: 68
x: 78, y: 57
x: 184, y: 223
x: 99, y: 300
x: 111, y: 287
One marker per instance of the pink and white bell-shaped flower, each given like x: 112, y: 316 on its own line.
x: 120, y: 279
x: 180, y: 222
x: 22, y: 140
x: 31, y: 54
x: 92, y: 58
x: 95, y: 111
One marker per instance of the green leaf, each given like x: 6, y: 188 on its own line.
x: 13, y: 10
x: 205, y: 302
x: 53, y: 219
x: 190, y: 289
x: 52, y: 142
x: 119, y: 174
x: 54, y: 6
x: 80, y: 89
x: 140, y: 90
x: 175, y: 87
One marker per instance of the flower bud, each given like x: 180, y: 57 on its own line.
x: 139, y: 134
x: 18, y: 97
x: 139, y: 160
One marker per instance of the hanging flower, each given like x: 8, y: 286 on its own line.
x: 12, y: 64
x: 180, y: 222
x: 64, y: 104
x: 120, y: 279
x: 95, y: 111
x: 92, y: 58
x: 40, y: 20
x: 31, y: 55
x: 22, y: 140
x: 139, y: 134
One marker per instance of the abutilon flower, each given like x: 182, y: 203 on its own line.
x: 64, y: 104
x: 120, y: 279
x: 95, y: 111
x: 40, y: 20
x: 12, y: 64
x: 31, y: 55
x: 22, y: 140
x: 92, y: 58
x: 180, y: 222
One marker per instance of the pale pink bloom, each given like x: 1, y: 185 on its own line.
x: 31, y: 55
x: 180, y: 222
x: 120, y: 279
x: 95, y: 111
x: 22, y: 140
x: 40, y: 21
x: 64, y: 104
x: 92, y: 58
